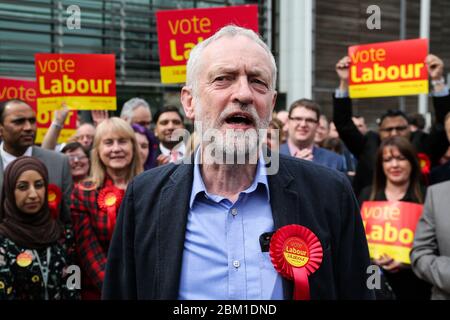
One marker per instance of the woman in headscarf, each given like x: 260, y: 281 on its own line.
x: 33, y: 246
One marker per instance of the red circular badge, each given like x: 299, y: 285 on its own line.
x: 425, y: 163
x: 296, y: 253
x: 109, y: 199
x: 54, y: 196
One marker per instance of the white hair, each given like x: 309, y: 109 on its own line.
x: 131, y: 105
x: 192, y: 67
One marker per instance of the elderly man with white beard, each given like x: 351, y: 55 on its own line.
x: 228, y: 224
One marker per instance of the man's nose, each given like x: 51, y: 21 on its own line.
x: 27, y: 125
x: 243, y: 91
x: 171, y: 125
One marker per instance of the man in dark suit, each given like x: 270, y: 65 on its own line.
x: 202, y: 230
x: 18, y: 130
x: 303, y: 121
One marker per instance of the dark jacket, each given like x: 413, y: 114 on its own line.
x: 145, y: 256
x: 405, y: 284
x: 321, y: 156
x: 365, y: 147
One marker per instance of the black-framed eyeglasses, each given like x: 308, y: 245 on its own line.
x: 307, y: 120
x: 390, y: 129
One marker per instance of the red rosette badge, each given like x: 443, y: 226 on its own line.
x: 54, y: 196
x: 109, y: 199
x: 296, y: 253
x: 425, y: 163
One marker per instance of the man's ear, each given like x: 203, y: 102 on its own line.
x: 274, y: 100
x: 187, y: 100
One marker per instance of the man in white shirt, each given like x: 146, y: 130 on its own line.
x: 168, y: 119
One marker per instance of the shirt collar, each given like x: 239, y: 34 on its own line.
x: 293, y: 149
x: 198, y: 186
x: 7, y: 158
x: 181, y: 148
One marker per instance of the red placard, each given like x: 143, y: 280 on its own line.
x: 18, y: 89
x: 393, y: 68
x: 26, y: 90
x: 82, y: 81
x: 390, y: 227
x: 180, y: 30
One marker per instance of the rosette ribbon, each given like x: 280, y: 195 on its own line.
x: 425, y: 163
x: 296, y: 253
x: 109, y: 199
x: 54, y: 196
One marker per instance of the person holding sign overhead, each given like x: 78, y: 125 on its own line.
x: 392, y: 123
x: 397, y: 178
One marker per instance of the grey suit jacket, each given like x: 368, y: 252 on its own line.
x: 430, y: 256
x: 59, y: 174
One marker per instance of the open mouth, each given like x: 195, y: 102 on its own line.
x: 239, y: 119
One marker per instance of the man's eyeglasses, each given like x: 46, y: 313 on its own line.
x: 307, y: 120
x: 77, y: 158
x: 390, y: 129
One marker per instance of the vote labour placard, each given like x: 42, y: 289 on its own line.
x: 82, y: 81
x: 390, y: 227
x: 26, y: 90
x: 180, y: 30
x: 395, y: 68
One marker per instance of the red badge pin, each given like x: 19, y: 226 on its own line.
x: 54, y: 196
x: 109, y: 199
x: 296, y: 253
x: 425, y: 163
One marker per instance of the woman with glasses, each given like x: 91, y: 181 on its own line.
x: 397, y: 178
x: 78, y: 160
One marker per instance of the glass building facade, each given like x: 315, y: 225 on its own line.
x: 125, y: 28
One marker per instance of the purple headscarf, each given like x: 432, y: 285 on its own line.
x: 150, y: 162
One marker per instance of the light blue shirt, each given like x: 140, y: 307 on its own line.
x: 222, y: 257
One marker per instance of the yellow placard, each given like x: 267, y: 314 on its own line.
x: 173, y: 74
x: 399, y: 88
x: 401, y: 254
x: 77, y: 103
x: 63, y: 136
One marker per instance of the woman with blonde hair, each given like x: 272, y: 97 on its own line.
x: 95, y: 202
